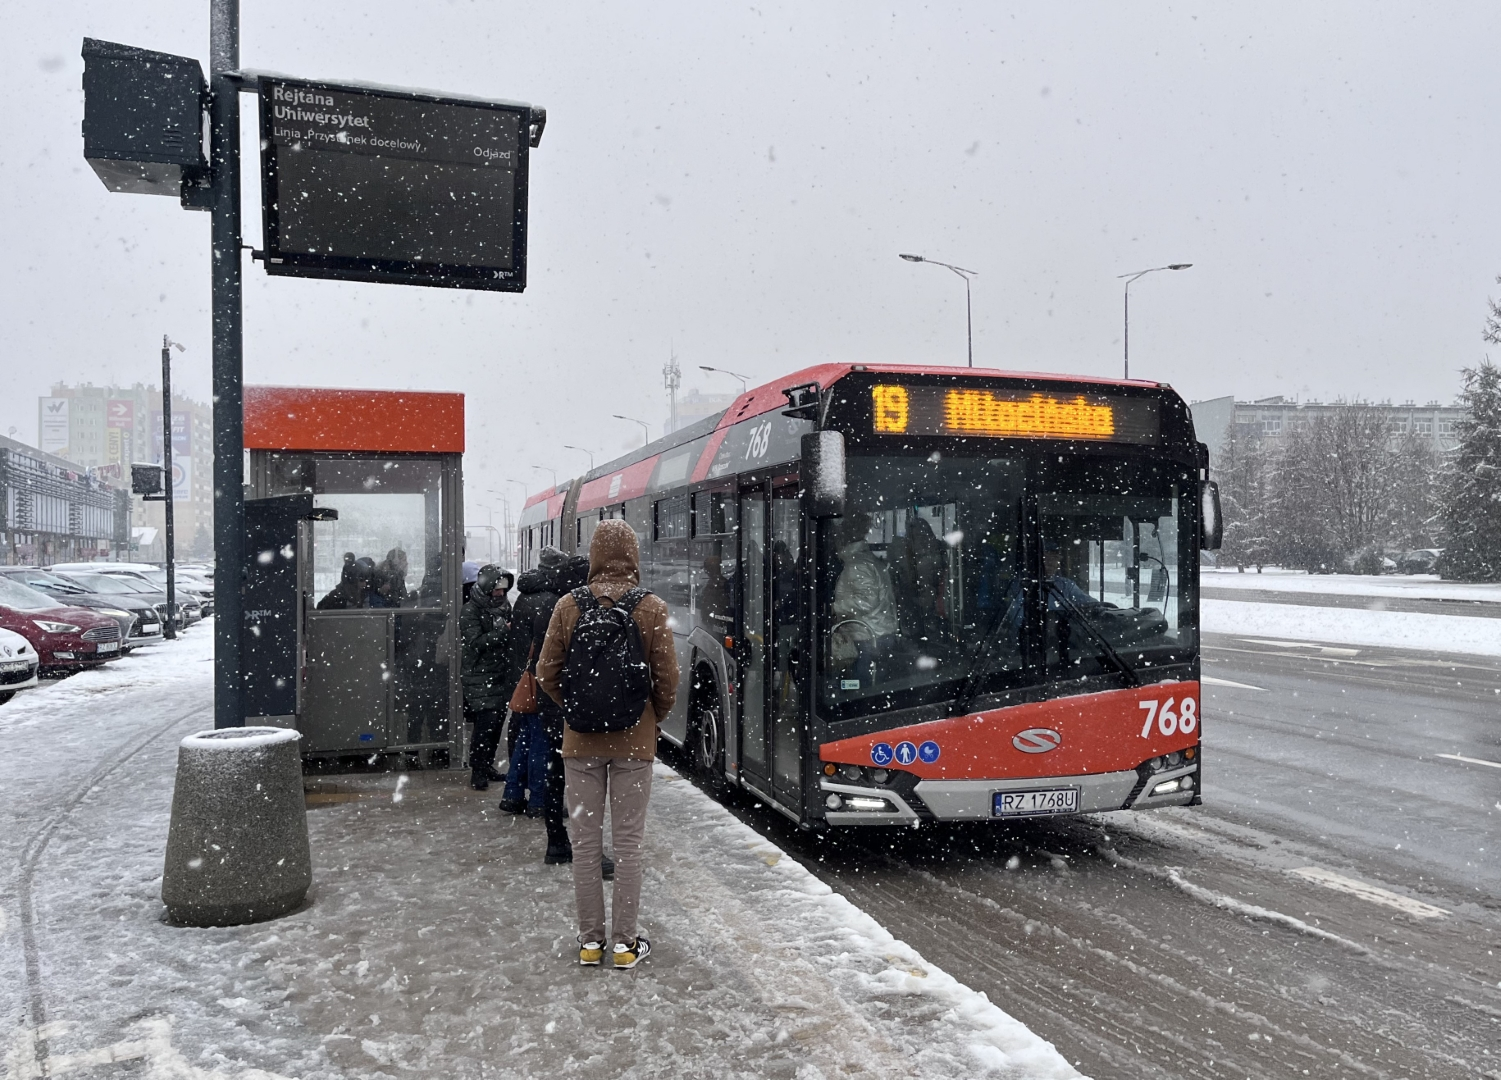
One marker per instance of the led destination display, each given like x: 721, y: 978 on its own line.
x: 1011, y: 414
x: 389, y: 186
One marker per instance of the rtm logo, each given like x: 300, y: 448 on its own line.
x: 760, y: 442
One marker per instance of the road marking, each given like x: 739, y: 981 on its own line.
x: 1210, y: 680
x: 1326, y: 650
x: 1470, y: 760
x: 1376, y: 895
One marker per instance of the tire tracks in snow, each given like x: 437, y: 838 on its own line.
x: 31, y: 855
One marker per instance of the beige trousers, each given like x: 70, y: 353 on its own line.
x: 627, y: 783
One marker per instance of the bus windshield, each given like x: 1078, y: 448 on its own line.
x: 922, y: 595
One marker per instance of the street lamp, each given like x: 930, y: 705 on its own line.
x: 581, y: 450
x: 722, y: 371
x: 1126, y: 330
x: 645, y: 427
x: 551, y: 472
x: 969, y: 322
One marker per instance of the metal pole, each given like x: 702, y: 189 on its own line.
x: 228, y: 365
x: 169, y: 628
x: 1126, y: 335
x: 969, y: 321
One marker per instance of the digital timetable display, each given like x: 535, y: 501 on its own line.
x: 393, y: 186
x: 1011, y: 414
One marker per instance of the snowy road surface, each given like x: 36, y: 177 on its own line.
x: 1332, y: 910
x: 436, y: 943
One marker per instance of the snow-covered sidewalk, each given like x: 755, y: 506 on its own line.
x: 435, y: 942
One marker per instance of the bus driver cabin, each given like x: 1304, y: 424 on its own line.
x: 354, y: 519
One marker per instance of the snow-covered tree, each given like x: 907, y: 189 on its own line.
x: 1244, y: 473
x: 1472, y: 483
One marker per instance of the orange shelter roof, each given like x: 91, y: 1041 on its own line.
x: 377, y: 421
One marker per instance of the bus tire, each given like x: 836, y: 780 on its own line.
x: 706, y: 734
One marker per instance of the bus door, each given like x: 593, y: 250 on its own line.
x: 771, y: 622
x: 751, y: 654
x: 784, y: 701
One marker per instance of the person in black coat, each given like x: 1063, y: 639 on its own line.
x: 539, y: 589
x: 488, y: 670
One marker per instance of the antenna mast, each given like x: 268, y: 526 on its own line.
x: 672, y: 378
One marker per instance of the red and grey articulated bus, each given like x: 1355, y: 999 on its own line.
x: 906, y: 593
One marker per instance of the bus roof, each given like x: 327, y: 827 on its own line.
x: 768, y: 397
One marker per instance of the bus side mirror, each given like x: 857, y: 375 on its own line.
x: 1213, y: 529
x: 823, y: 480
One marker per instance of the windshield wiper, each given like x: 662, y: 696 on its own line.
x: 1106, y: 649
x: 979, y: 666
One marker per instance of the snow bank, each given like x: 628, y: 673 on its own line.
x: 1352, y: 626
x: 822, y: 938
x: 1413, y: 587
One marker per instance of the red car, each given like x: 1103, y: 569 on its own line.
x: 63, y: 637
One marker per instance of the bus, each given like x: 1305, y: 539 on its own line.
x: 904, y: 593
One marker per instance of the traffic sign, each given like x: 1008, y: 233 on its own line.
x: 377, y: 184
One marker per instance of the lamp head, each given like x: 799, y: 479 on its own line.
x: 914, y: 258
x: 1179, y: 266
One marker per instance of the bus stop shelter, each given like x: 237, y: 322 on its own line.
x: 354, y: 512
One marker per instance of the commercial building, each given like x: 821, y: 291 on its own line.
x: 105, y: 428
x: 53, y: 511
x: 1274, y: 418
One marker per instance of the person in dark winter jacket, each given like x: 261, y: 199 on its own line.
x: 489, y: 672
x: 526, y: 779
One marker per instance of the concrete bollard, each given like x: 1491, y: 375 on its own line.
x: 237, y: 847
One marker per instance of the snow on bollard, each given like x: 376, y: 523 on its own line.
x: 237, y: 847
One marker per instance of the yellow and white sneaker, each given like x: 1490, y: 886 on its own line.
x: 628, y: 956
x: 591, y: 953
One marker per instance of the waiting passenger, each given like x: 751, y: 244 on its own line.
x: 488, y: 673
x: 390, y: 585
x: 353, y: 588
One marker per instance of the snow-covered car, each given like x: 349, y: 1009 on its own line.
x: 18, y: 665
x: 65, y: 638
x: 140, y: 624
x: 194, y: 599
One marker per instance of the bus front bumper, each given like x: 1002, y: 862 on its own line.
x: 974, y: 800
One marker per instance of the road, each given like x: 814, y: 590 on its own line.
x: 1333, y: 909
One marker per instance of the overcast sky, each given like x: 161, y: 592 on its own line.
x: 735, y: 183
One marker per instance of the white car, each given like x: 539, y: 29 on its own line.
x: 18, y: 664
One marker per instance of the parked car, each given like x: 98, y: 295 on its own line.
x: 18, y: 665
x: 1420, y: 561
x: 188, y: 589
x: 64, y: 637
x: 127, y: 587
x: 140, y: 624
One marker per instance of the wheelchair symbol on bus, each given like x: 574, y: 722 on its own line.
x: 880, y: 753
x: 906, y: 753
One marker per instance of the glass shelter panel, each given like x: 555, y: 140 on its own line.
x: 384, y: 550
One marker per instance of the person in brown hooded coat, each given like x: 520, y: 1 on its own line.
x: 616, y: 763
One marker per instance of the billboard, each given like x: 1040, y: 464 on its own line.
x: 52, y: 428
x: 375, y: 184
x: 119, y: 425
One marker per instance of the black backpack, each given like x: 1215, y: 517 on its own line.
x: 606, y: 679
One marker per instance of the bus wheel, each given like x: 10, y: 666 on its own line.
x: 706, y: 745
